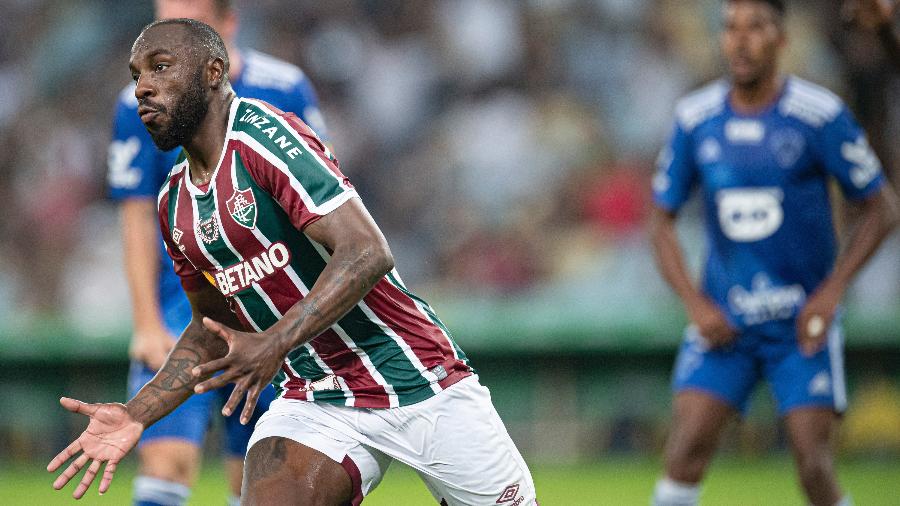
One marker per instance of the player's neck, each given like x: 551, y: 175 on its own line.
x: 205, y: 147
x: 754, y: 97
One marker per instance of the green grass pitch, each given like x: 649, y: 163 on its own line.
x: 614, y: 481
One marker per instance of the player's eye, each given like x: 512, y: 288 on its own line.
x: 135, y: 76
x: 159, y: 67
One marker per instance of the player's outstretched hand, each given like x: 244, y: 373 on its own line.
x: 815, y: 318
x: 251, y: 363
x: 110, y: 434
x: 711, y: 322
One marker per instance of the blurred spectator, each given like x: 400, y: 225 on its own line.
x: 522, y: 132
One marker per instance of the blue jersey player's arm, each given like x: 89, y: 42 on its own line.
x: 845, y: 154
x: 136, y: 168
x: 305, y: 104
x: 673, y: 183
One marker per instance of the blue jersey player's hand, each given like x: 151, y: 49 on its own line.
x: 816, y: 317
x: 109, y: 436
x: 711, y: 321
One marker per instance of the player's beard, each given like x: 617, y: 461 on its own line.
x: 185, y: 116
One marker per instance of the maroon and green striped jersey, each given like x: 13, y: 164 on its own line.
x: 244, y: 234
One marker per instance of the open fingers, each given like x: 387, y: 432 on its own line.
x: 250, y: 405
x: 108, y: 473
x: 217, y: 328
x: 70, y: 472
x: 234, y: 399
x: 216, y: 382
x: 64, y: 455
x: 211, y: 367
x: 87, y: 479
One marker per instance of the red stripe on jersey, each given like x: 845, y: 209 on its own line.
x: 277, y: 184
x: 191, y: 279
x: 400, y: 313
x: 346, y: 364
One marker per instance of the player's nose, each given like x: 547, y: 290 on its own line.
x: 143, y: 89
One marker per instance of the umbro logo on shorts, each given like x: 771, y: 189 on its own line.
x: 509, y: 495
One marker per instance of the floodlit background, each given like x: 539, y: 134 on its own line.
x: 505, y: 147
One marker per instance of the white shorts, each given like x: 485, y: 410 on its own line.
x: 455, y: 440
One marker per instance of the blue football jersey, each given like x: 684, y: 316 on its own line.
x: 137, y: 169
x: 764, y: 184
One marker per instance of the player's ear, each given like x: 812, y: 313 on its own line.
x: 215, y: 73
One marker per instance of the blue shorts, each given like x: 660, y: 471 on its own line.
x: 190, y: 421
x: 732, y: 372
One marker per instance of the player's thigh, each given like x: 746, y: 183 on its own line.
x: 698, y: 419
x: 326, y: 432
x: 280, y: 471
x: 800, y: 381
x: 811, y: 430
x: 461, y: 449
x: 728, y: 374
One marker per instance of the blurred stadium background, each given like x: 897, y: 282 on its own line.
x: 505, y: 147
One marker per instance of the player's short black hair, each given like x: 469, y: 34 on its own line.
x: 778, y: 5
x: 201, y: 36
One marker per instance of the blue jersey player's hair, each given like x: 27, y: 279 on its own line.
x: 200, y: 35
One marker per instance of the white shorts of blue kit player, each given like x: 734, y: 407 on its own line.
x: 455, y: 441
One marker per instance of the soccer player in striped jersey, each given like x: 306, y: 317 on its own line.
x: 762, y: 148
x: 268, y: 236
x: 170, y: 451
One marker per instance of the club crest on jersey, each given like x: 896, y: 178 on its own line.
x: 242, y: 207
x: 208, y: 230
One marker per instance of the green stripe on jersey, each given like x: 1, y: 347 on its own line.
x: 264, y: 127
x: 385, y: 354
x: 429, y: 311
x: 253, y: 303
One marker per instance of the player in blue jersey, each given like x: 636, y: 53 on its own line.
x: 762, y: 148
x: 170, y: 451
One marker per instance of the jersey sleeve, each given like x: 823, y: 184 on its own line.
x: 676, y: 171
x: 191, y: 278
x: 846, y: 155
x: 134, y: 165
x: 293, y: 165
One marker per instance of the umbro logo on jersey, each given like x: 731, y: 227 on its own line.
x: 176, y: 235
x: 510, y: 495
x: 242, y: 207
x: 208, y: 230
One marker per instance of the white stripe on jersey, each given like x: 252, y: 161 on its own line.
x: 701, y: 105
x: 292, y: 274
x: 810, y: 103
x: 297, y: 137
x: 279, y: 164
x: 424, y: 313
x: 404, y: 346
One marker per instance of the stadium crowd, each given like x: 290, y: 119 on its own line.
x: 523, y: 134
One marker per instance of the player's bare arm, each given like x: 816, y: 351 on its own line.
x: 114, y: 428
x: 359, y: 258
x: 151, y: 342
x: 709, y: 319
x: 879, y: 215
